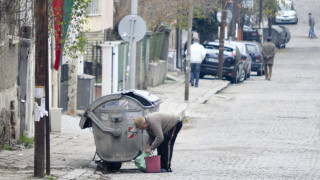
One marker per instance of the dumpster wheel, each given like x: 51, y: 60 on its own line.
x: 114, y: 166
x: 106, y: 167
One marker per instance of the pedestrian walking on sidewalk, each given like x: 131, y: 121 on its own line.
x: 311, y: 26
x: 163, y: 130
x: 268, y: 53
x: 197, y: 54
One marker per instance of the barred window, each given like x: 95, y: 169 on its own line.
x: 93, y: 8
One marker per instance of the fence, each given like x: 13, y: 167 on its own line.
x: 150, y: 49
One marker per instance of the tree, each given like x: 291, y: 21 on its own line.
x: 270, y: 8
x: 173, y: 13
x: 205, y: 20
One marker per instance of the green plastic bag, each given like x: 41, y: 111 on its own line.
x: 141, y: 162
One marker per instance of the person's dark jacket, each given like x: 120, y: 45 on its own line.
x: 159, y: 124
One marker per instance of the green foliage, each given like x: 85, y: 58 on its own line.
x: 204, y: 20
x: 182, y: 16
x: 205, y: 24
x: 28, y: 143
x: 74, y: 42
x: 8, y: 148
x: 78, y: 18
x: 50, y: 177
x: 270, y: 8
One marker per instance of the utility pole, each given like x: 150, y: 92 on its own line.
x: 221, y: 38
x: 235, y: 19
x: 42, y: 88
x: 133, y: 49
x: 260, y: 21
x: 190, y: 16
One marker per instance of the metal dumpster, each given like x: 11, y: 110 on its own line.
x: 112, y: 120
x: 278, y: 35
x: 287, y: 31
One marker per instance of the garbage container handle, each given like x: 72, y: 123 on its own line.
x: 114, y: 131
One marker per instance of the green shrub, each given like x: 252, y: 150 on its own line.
x: 28, y: 143
x: 50, y: 177
x: 9, y: 148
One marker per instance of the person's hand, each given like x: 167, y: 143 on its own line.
x: 148, y: 149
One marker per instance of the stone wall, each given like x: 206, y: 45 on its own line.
x: 157, y: 73
x: 8, y: 81
x: 9, y: 124
x: 4, y: 126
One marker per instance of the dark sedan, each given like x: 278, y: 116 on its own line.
x: 233, y: 68
x: 250, y: 34
x: 255, y: 50
x: 245, y: 55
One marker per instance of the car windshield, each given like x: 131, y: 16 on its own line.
x: 287, y: 6
x: 241, y: 47
x: 247, y: 28
x: 209, y: 46
x: 252, y: 48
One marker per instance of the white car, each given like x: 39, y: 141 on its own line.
x: 287, y: 13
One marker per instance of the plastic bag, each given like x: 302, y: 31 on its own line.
x: 140, y: 162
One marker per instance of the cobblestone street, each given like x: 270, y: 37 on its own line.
x: 258, y: 129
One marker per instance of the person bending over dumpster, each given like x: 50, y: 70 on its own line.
x: 268, y: 52
x: 163, y: 130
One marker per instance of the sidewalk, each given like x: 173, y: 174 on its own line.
x: 172, y: 93
x: 73, y: 148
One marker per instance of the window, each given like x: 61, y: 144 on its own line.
x: 208, y: 46
x: 93, y: 8
x: 252, y: 49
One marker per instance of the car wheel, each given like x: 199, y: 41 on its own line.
x: 242, y: 76
x: 234, y: 78
x: 201, y: 76
x: 259, y: 72
x: 245, y: 75
x: 249, y: 74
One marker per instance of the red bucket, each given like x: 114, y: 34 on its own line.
x: 153, y: 164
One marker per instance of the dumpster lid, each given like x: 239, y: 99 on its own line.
x: 144, y: 97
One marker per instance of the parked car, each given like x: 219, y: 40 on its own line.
x: 250, y: 34
x: 245, y: 56
x: 287, y: 13
x: 255, y: 51
x: 233, y: 66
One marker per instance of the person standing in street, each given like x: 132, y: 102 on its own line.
x: 311, y: 25
x: 197, y: 54
x: 268, y: 53
x: 163, y: 130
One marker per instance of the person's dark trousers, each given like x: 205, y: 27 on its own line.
x: 195, y: 73
x: 166, y: 147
